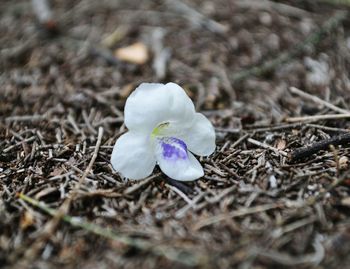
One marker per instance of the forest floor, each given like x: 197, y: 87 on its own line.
x: 272, y: 77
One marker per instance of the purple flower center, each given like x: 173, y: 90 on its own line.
x: 173, y: 148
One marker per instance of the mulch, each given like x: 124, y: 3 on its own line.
x: 275, y: 193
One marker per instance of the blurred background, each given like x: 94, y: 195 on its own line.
x: 67, y: 50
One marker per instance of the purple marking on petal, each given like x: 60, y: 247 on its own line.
x: 173, y: 148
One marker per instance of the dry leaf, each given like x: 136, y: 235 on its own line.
x: 26, y: 220
x: 281, y: 144
x: 136, y: 53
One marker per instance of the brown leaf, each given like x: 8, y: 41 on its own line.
x: 27, y: 220
x: 136, y: 53
x: 281, y: 144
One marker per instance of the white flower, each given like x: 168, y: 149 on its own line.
x: 163, y: 129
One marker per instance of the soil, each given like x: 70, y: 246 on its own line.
x: 272, y: 77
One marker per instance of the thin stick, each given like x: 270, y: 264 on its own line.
x: 31, y: 118
x: 93, y: 159
x: 197, y: 18
x: 326, y: 128
x: 52, y: 224
x: 30, y: 139
x: 173, y: 254
x: 304, y: 152
x: 141, y: 184
x: 181, y: 194
x: 266, y: 146
x: 270, y: 5
x: 182, y: 186
x: 319, y: 117
x: 318, y: 100
x: 237, y: 213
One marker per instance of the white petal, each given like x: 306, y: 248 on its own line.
x: 151, y: 104
x: 133, y: 156
x: 200, y: 137
x: 176, y: 162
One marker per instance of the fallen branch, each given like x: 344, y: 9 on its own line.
x: 304, y: 152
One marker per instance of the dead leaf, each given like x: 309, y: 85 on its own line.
x: 281, y: 144
x: 27, y: 220
x: 136, y: 53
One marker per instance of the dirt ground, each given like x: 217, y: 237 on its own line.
x: 272, y: 77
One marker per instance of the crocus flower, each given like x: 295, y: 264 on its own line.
x: 164, y: 129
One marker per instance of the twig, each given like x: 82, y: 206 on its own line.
x: 181, y: 256
x: 141, y: 184
x: 292, y: 226
x: 180, y: 185
x: 318, y: 117
x: 294, y: 125
x: 339, y: 180
x: 336, y: 159
x: 237, y: 213
x: 326, y: 128
x: 268, y: 5
x: 228, y: 130
x: 93, y: 158
x: 304, y: 152
x: 270, y: 128
x: 311, y: 40
x: 289, y: 260
x: 31, y: 118
x: 181, y: 194
x: 52, y: 224
x: 30, y: 139
x: 318, y: 100
x: 197, y: 18
x: 266, y: 146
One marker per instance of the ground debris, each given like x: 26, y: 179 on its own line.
x: 275, y: 193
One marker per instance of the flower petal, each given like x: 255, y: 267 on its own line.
x: 200, y: 137
x: 133, y: 156
x: 151, y: 104
x: 175, y: 161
